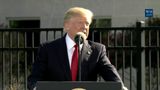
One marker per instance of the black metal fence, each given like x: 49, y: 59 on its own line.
x: 133, y: 50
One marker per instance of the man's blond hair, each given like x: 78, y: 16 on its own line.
x: 77, y: 11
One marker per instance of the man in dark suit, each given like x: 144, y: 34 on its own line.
x: 54, y: 58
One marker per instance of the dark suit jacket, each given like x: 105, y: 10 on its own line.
x: 52, y: 63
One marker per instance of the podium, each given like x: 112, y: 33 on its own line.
x: 77, y: 85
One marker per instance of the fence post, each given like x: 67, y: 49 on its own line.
x: 141, y: 57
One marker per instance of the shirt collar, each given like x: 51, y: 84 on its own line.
x: 70, y: 43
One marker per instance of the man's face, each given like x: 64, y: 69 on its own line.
x: 77, y: 24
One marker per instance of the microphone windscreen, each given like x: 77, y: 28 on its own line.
x: 80, y: 37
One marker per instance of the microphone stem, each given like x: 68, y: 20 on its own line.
x: 79, y: 60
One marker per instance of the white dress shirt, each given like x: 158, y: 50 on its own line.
x: 70, y: 48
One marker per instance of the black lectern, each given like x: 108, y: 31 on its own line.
x: 80, y: 85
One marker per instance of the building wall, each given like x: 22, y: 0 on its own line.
x: 50, y: 12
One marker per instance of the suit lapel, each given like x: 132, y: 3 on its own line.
x: 85, y: 56
x: 86, y: 51
x: 64, y: 58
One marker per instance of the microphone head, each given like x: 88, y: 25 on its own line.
x: 80, y: 37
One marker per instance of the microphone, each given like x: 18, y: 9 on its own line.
x: 79, y: 38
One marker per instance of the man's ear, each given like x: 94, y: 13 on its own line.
x: 66, y: 25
